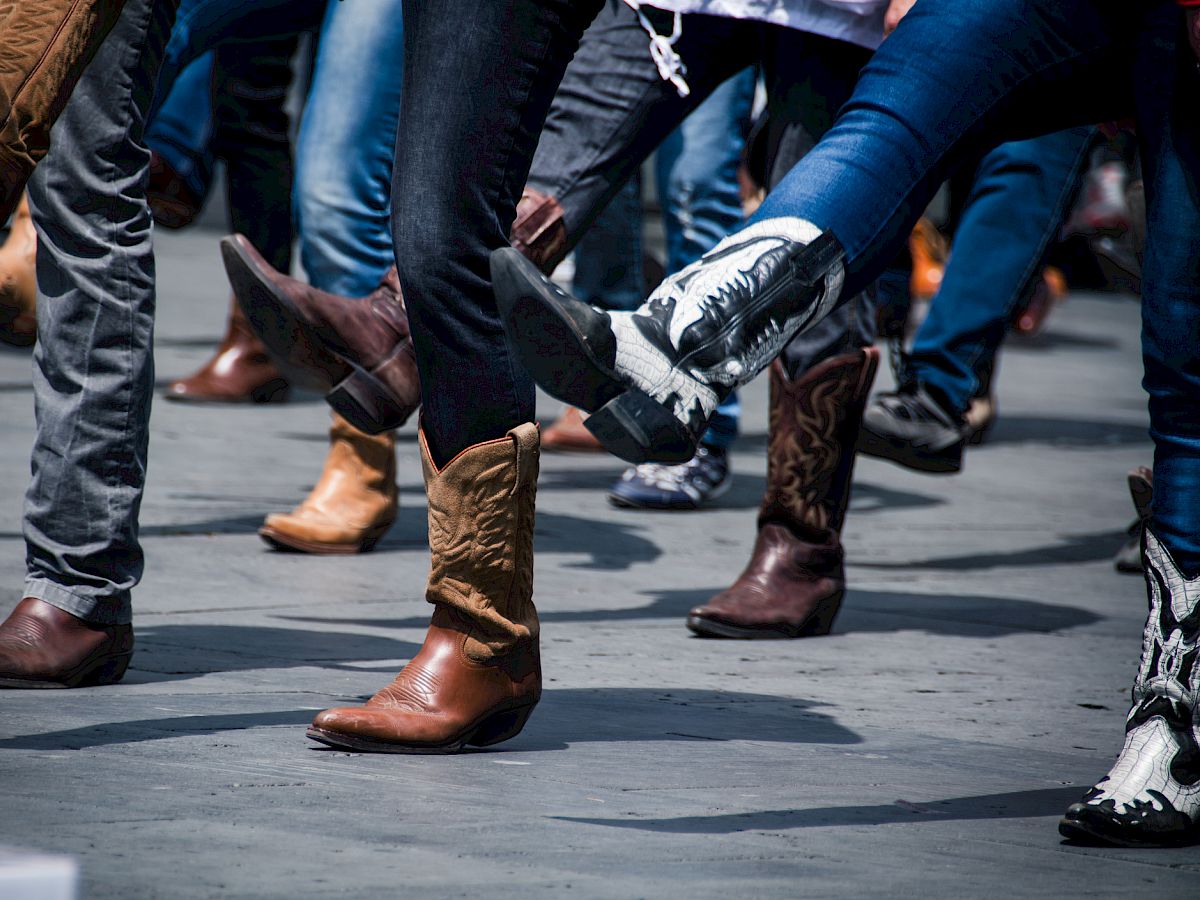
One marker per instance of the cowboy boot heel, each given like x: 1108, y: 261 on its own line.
x: 366, y: 402
x: 110, y: 671
x: 637, y: 428
x: 501, y: 727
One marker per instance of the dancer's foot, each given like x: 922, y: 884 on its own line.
x: 354, y: 503
x: 1141, y: 489
x: 570, y: 435
x: 653, y: 378
x: 911, y: 428
x: 690, y: 485
x: 41, y: 646
x: 358, y: 350
x: 1151, y: 796
x: 18, y: 280
x: 239, y: 372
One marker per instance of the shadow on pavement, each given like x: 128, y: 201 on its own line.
x: 173, y: 652
x: 565, y: 716
x: 1074, y: 548
x: 1074, y: 434
x: 863, y: 611
x: 1014, y: 805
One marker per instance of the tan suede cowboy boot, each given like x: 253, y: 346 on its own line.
x: 794, y: 583
x: 45, y: 46
x: 354, y: 503
x: 478, y: 676
x: 18, y: 281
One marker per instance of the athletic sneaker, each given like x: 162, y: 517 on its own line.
x: 910, y: 427
x: 688, y: 485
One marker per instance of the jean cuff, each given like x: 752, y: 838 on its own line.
x: 115, y: 610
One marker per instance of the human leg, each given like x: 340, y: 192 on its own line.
x: 1016, y: 205
x: 45, y: 52
x: 926, y: 99
x: 93, y: 371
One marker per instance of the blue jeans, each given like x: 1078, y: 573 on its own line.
x: 345, y: 147
x: 608, y: 257
x: 959, y: 76
x: 1015, y: 208
x: 181, y: 131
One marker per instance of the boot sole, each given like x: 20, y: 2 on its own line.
x: 493, y: 728
x: 1083, y: 831
x: 819, y: 624
x: 936, y: 462
x: 300, y: 352
x: 107, y: 670
x: 282, y: 541
x: 562, y: 359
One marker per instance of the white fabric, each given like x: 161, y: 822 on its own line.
x: 855, y: 21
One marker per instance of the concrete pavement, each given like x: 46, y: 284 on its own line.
x: 975, y: 685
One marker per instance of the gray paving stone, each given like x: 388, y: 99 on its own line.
x: 976, y: 682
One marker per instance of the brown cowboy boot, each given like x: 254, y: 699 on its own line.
x: 793, y: 585
x: 478, y: 676
x: 539, y: 231
x: 18, y: 280
x: 569, y: 435
x: 45, y: 47
x: 239, y: 372
x: 354, y: 503
x: 357, y: 350
x: 41, y: 646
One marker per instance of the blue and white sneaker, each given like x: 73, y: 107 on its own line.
x: 688, y: 485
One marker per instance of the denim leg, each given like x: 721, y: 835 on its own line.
x: 958, y: 77
x: 701, y: 202
x: 613, y: 107
x: 344, y: 149
x: 1015, y: 208
x: 250, y: 88
x: 202, y: 24
x: 181, y: 131
x: 93, y: 373
x: 608, y: 257
x: 1170, y: 132
x: 479, y: 77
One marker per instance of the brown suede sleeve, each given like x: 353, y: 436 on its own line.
x: 44, y: 48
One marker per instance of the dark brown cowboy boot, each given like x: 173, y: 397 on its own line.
x: 356, y: 350
x: 43, y: 647
x: 793, y: 585
x: 240, y: 371
x: 478, y: 675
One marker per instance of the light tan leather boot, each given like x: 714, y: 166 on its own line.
x: 478, y: 676
x: 354, y: 503
x: 18, y: 280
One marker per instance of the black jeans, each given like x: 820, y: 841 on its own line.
x: 479, y: 76
x: 613, y: 109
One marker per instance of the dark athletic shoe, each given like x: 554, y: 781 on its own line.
x: 653, y: 378
x: 910, y: 428
x: 689, y: 485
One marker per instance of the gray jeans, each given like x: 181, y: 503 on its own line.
x: 613, y: 109
x: 93, y: 372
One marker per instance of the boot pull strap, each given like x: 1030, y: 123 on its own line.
x: 526, y: 440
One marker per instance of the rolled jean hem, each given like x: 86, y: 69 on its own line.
x: 114, y: 610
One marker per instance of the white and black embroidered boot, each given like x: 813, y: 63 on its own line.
x: 1151, y: 797
x: 652, y: 378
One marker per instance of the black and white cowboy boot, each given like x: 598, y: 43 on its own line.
x: 1151, y: 797
x: 652, y: 378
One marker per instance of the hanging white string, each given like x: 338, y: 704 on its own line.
x: 662, y: 50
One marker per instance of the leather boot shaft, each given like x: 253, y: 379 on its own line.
x: 814, y: 424
x: 481, y: 508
